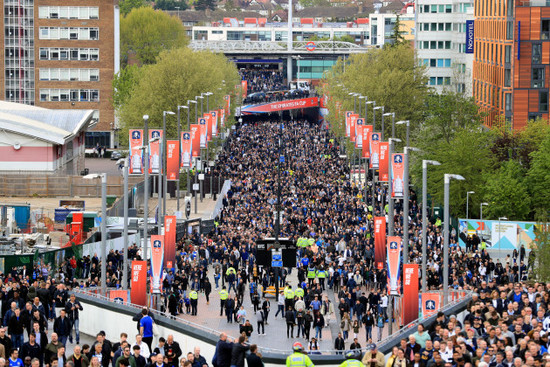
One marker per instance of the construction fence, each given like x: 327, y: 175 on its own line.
x: 53, y: 186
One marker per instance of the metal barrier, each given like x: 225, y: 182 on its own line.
x: 277, y: 356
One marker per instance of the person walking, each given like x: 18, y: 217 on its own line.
x: 72, y: 308
x: 224, y: 295
x: 290, y: 318
x: 260, y: 318
x: 194, y: 298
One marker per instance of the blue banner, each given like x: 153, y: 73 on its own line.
x: 469, y: 36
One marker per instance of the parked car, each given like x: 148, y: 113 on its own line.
x: 116, y: 154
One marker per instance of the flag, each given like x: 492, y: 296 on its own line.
x: 203, y: 133
x: 155, y: 150
x: 136, y: 153
x: 383, y: 174
x: 410, y: 293
x: 186, y: 151
x: 172, y: 160
x: 195, y: 140
x: 374, y: 150
x: 394, y: 263
x: 169, y: 241
x: 367, y: 130
x: 397, y: 173
x: 138, y: 283
x: 379, y: 241
x: 157, y: 260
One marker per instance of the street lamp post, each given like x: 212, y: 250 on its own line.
x: 406, y: 202
x: 179, y: 154
x: 354, y: 95
x: 361, y: 97
x: 189, y: 129
x: 366, y: 163
x: 162, y: 179
x: 481, y: 210
x: 425, y: 164
x: 467, y: 202
x: 392, y: 122
x: 146, y: 186
x: 407, y: 123
x: 374, y: 119
x: 447, y: 182
x: 125, y: 229
x: 390, y: 199
x: 103, y: 176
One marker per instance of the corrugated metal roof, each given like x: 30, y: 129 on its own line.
x: 55, y: 126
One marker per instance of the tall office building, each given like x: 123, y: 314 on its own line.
x: 512, y: 57
x: 441, y: 43
x: 62, y: 56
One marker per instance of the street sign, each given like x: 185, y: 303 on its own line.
x: 187, y: 209
x: 196, y: 187
x: 268, y: 244
x: 276, y: 259
x: 201, y: 176
x: 310, y: 46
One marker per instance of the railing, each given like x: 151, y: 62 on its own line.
x: 219, y: 202
x: 328, y: 355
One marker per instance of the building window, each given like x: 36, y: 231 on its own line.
x: 73, y: 54
x: 508, y: 102
x: 64, y: 33
x: 536, y: 53
x: 65, y: 12
x: 545, y: 29
x: 534, y: 115
x: 543, y: 101
x: 509, y: 30
x: 537, y: 77
x: 66, y: 74
x: 66, y: 95
x: 507, y: 77
x: 508, y: 54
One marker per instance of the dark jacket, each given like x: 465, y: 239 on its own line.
x: 15, y: 325
x: 173, y: 353
x: 62, y: 326
x: 33, y: 351
x: 253, y: 360
x: 223, y: 353
x: 73, y: 314
x: 238, y: 354
x: 339, y: 343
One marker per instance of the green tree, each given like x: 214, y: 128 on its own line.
x: 345, y: 38
x: 446, y: 114
x: 396, y: 37
x: 126, y: 6
x: 542, y: 249
x: 507, y: 194
x: 539, y: 176
x: 467, y: 154
x: 170, y: 5
x: 146, y: 32
x: 179, y: 75
x: 391, y: 77
x: 123, y: 84
x: 205, y: 4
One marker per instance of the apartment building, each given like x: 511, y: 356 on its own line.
x: 511, y: 60
x: 441, y: 43
x: 62, y: 55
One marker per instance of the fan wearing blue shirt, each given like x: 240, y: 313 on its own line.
x: 146, y: 328
x: 15, y: 361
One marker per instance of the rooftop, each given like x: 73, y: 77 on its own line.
x: 54, y: 126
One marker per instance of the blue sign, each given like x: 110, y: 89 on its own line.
x: 469, y: 36
x: 276, y: 260
x: 430, y: 305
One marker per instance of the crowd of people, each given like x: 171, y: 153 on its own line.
x: 507, y: 319
x: 262, y: 80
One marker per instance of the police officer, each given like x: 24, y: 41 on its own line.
x: 193, y: 297
x: 299, y: 292
x: 224, y: 295
x: 298, y: 358
x: 322, y: 274
x: 311, y: 274
x: 289, y: 296
x: 353, y: 359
